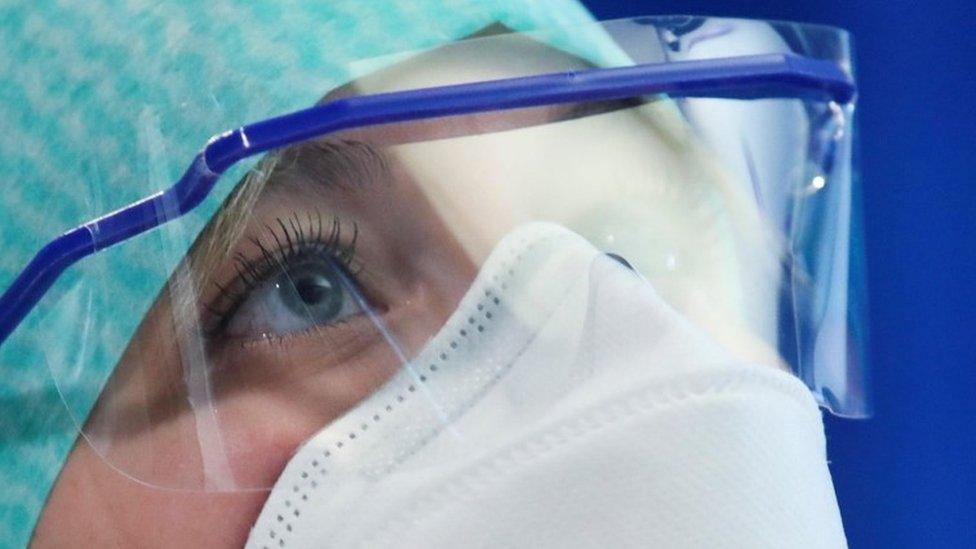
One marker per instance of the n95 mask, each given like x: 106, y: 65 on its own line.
x: 564, y: 404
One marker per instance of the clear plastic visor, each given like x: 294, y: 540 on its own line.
x: 354, y: 269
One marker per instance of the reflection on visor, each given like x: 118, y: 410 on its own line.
x: 348, y: 270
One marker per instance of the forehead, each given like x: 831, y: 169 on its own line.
x: 502, y: 54
x: 477, y: 59
x: 357, y: 152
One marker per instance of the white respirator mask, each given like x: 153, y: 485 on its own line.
x: 564, y: 404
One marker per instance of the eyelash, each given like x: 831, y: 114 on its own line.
x: 293, y: 240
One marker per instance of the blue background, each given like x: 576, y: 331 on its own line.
x: 906, y: 478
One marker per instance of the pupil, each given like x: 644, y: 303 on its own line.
x: 313, y: 290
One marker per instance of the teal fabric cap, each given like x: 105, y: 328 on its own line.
x: 104, y: 102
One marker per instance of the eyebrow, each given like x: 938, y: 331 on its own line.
x: 330, y: 164
x: 592, y: 108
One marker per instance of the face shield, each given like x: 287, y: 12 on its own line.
x: 511, y: 214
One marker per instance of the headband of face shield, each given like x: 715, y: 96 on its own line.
x: 334, y: 265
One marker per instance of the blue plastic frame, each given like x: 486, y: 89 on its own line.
x: 746, y: 77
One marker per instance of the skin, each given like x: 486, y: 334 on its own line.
x: 139, y: 481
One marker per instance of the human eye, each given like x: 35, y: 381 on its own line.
x: 300, y: 278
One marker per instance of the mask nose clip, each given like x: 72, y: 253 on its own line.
x: 619, y: 259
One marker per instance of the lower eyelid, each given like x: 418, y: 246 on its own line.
x: 342, y: 339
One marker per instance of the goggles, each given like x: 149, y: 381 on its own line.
x: 387, y: 227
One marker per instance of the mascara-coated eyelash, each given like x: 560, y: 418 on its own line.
x: 293, y: 240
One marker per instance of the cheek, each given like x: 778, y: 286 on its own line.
x: 263, y: 424
x: 277, y: 397
x: 93, y: 505
x: 261, y: 418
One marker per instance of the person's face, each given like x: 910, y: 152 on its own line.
x: 276, y: 375
x: 339, y: 269
x: 348, y: 225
